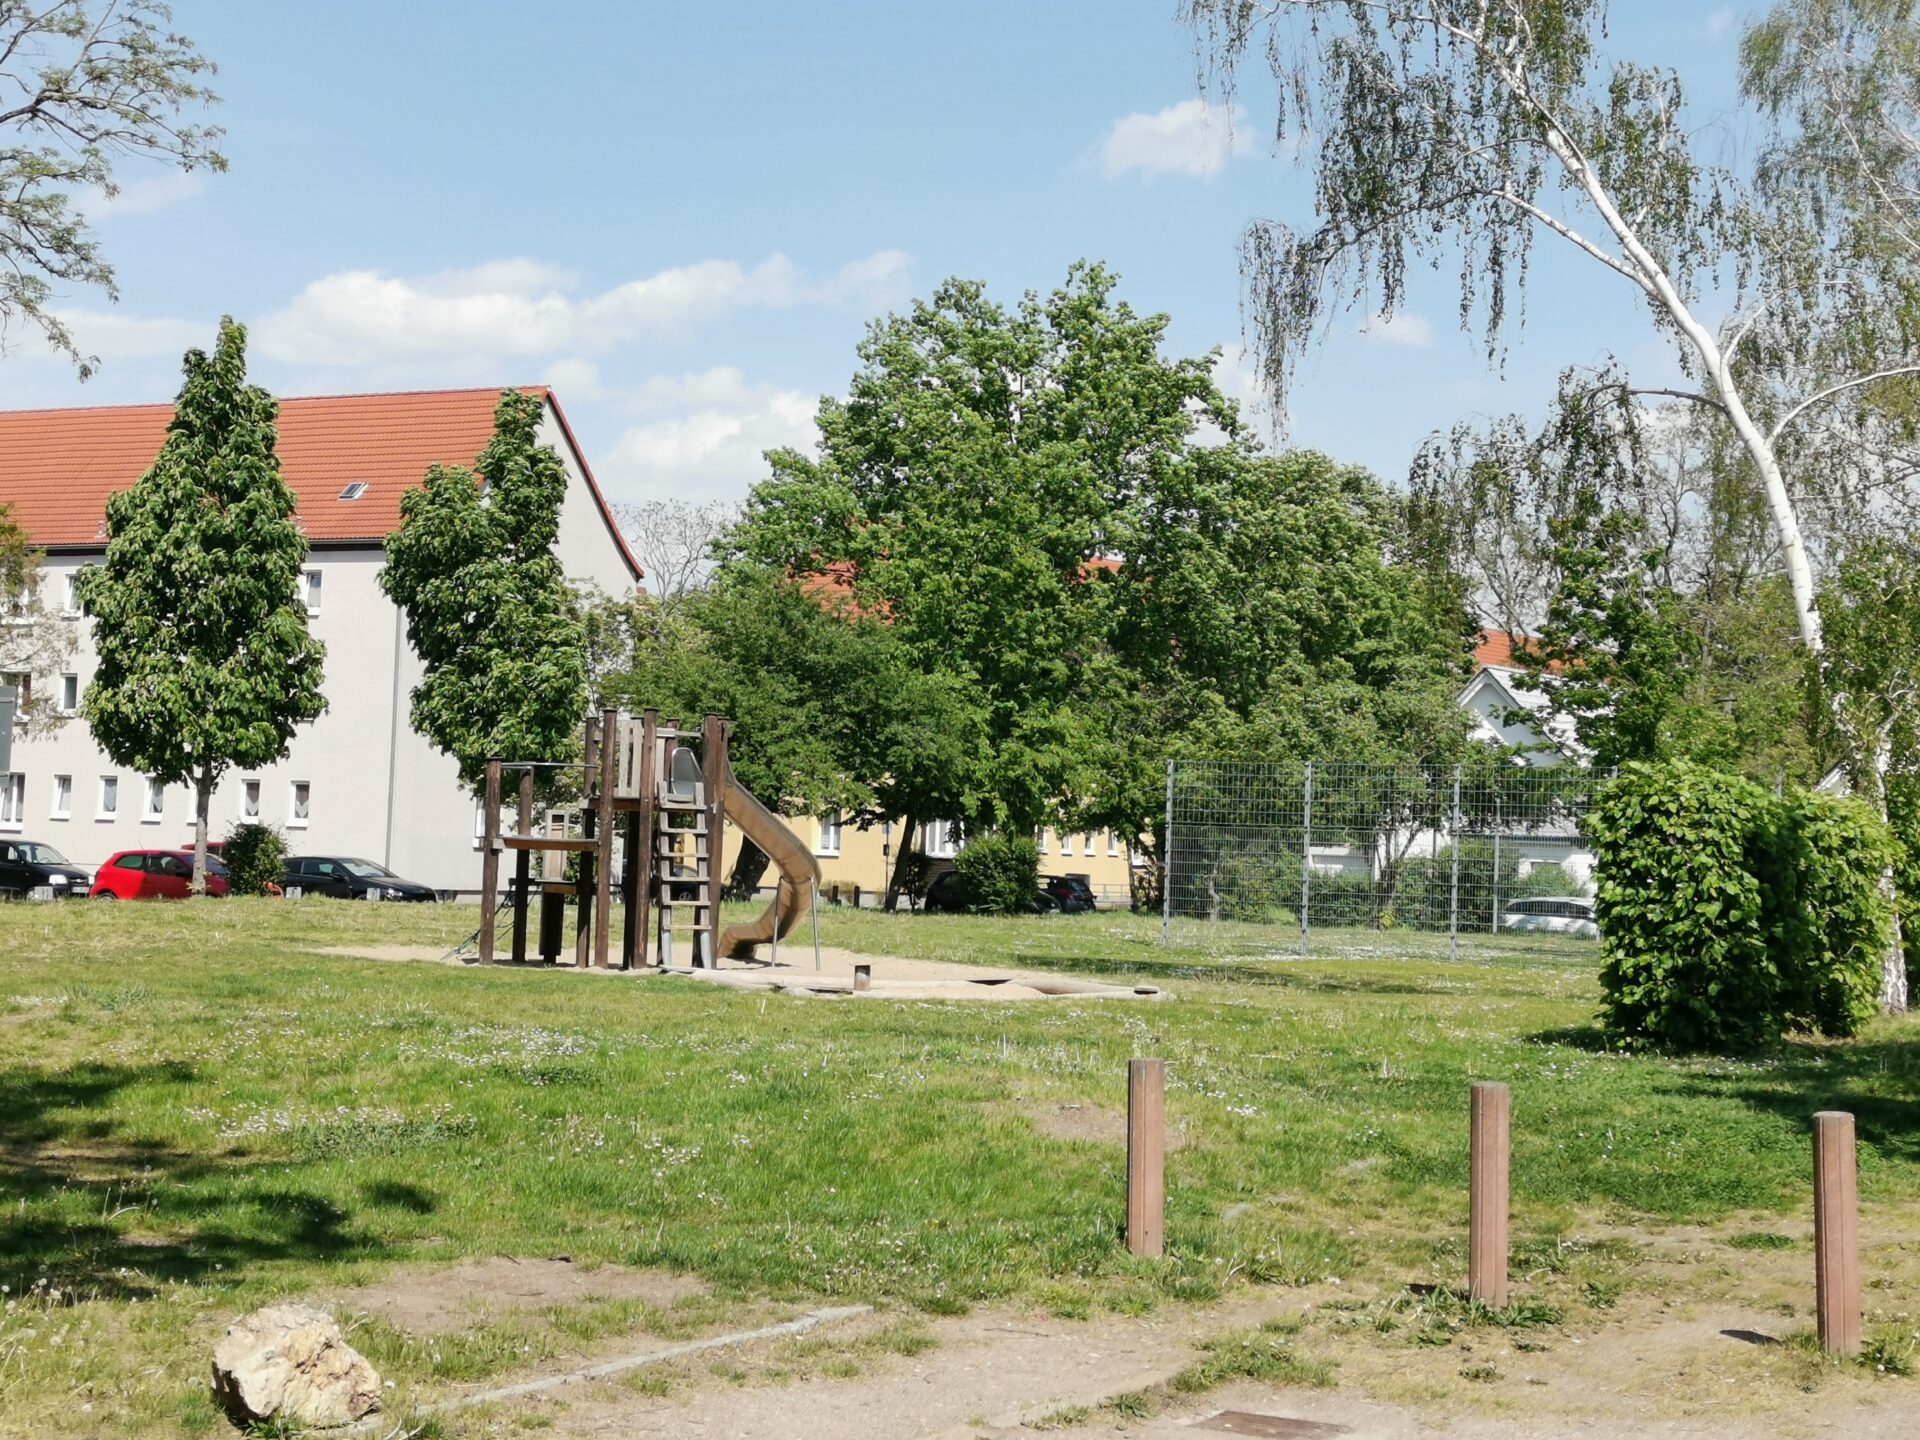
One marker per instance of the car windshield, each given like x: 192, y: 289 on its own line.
x: 367, y: 870
x: 34, y: 853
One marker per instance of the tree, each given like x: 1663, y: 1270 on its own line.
x: 86, y: 83
x: 33, y: 641
x: 489, y: 611
x: 205, y: 659
x: 1464, y: 129
x: 674, y: 541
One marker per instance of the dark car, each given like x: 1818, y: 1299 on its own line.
x: 28, y: 865
x: 945, y: 897
x: 1071, y: 893
x: 344, y: 878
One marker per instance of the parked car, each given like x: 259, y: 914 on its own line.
x: 1555, y: 914
x: 154, y: 875
x: 1072, y: 893
x: 28, y: 865
x: 945, y: 897
x: 345, y: 878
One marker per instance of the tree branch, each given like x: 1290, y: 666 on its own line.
x: 1832, y: 390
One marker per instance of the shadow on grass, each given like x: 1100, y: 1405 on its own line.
x: 92, y: 1208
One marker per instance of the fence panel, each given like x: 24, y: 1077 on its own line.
x: 1445, y: 849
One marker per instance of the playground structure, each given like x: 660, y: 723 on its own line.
x: 656, y: 798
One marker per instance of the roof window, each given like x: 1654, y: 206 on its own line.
x: 354, y: 491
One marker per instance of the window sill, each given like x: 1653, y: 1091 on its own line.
x: 106, y: 819
x: 63, y: 818
x: 153, y: 819
x: 296, y: 824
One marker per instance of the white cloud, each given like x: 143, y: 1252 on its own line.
x: 523, y: 307
x: 1721, y: 21
x: 143, y: 197
x: 1409, y: 331
x: 1190, y: 138
x: 705, y: 435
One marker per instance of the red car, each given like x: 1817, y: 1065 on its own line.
x: 154, y: 875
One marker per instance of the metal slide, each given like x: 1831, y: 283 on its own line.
x: 799, y: 873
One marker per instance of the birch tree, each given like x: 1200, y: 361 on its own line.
x: 1466, y: 130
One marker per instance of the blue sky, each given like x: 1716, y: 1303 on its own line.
x: 683, y: 215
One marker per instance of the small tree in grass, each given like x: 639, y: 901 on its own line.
x: 205, y: 659
x: 488, y: 607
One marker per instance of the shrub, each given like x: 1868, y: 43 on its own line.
x: 1729, y: 914
x: 999, y: 874
x: 256, y: 856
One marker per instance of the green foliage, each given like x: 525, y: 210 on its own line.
x: 205, y: 659
x: 999, y: 873
x: 255, y: 856
x: 488, y: 607
x: 93, y: 82
x: 1729, y: 914
x: 33, y: 640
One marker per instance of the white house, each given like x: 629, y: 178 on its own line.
x: 359, y: 781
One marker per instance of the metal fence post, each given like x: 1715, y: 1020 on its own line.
x: 1493, y: 920
x: 1306, y: 858
x: 1166, y: 866
x: 1453, y: 903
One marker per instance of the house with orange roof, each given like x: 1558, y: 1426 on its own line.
x: 1507, y: 711
x: 359, y: 781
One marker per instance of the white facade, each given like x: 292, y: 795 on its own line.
x: 368, y: 784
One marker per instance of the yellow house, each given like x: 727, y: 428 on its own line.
x: 856, y: 862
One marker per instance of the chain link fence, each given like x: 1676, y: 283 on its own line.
x: 1453, y: 849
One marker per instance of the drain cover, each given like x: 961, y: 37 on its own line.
x: 1243, y: 1422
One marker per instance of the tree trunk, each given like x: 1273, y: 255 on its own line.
x: 202, y: 805
x: 903, y: 850
x: 1893, y: 965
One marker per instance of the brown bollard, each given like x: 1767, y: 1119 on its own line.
x: 1146, y: 1156
x: 1487, y: 1205
x: 1836, y: 1233
x: 863, y: 977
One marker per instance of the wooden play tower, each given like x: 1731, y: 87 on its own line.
x: 663, y: 793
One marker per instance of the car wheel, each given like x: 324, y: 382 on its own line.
x: 106, y: 895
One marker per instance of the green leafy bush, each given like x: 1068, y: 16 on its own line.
x: 256, y: 855
x: 1729, y: 914
x: 999, y: 874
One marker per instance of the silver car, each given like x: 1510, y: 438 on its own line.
x: 1555, y: 914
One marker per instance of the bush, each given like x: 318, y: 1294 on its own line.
x: 1729, y: 915
x: 999, y: 874
x: 256, y: 856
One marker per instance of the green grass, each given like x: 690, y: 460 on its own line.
x: 201, y: 1113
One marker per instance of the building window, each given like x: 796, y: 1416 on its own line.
x: 249, y: 799
x: 300, y: 804
x: 22, y: 684
x: 310, y: 591
x: 1040, y: 840
x: 156, y: 803
x: 829, y: 843
x: 70, y: 593
x: 109, y: 796
x: 1113, y: 845
x: 939, y: 842
x: 62, y: 797
x: 69, y: 694
x: 13, y: 801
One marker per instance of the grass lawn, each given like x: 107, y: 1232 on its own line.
x: 201, y: 1113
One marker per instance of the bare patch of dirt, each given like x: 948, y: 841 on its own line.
x: 430, y: 953
x: 1094, y: 1124
x: 434, y: 1300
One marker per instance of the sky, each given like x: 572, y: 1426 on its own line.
x: 682, y: 217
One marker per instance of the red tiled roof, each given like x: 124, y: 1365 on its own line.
x: 57, y: 467
x: 1495, y: 649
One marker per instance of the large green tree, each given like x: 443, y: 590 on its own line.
x: 205, y: 659
x: 84, y: 84
x: 489, y: 612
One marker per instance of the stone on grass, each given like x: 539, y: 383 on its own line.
x: 290, y: 1362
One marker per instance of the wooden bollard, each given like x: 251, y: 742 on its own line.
x: 863, y: 977
x: 1146, y: 1156
x: 1836, y: 1233
x: 1487, y: 1195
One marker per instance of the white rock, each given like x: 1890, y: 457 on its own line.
x: 291, y: 1361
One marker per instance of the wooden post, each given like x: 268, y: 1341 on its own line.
x: 583, y: 891
x: 489, y: 860
x: 863, y: 977
x: 713, y: 761
x: 1836, y: 1233
x: 522, y: 869
x: 1487, y: 1212
x: 604, y: 830
x: 641, y: 870
x: 1146, y: 1156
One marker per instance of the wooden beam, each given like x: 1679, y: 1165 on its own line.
x: 489, y: 859
x: 1146, y: 1156
x: 713, y: 762
x: 604, y: 830
x: 522, y: 869
x: 1836, y: 1233
x: 640, y: 844
x: 1490, y: 1128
